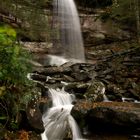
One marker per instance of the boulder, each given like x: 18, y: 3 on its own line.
x: 110, y: 115
x: 34, y: 116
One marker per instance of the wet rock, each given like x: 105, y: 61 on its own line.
x: 44, y: 90
x: 71, y: 87
x: 38, y: 77
x: 54, y: 70
x: 109, y: 114
x: 95, y: 91
x: 68, y: 78
x: 44, y: 104
x: 134, y: 94
x: 34, y: 116
x: 80, y: 111
x: 75, y: 67
x: 77, y: 88
x: 80, y: 76
x: 116, y: 97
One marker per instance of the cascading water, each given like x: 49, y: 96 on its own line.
x: 57, y: 120
x: 67, y: 30
x: 67, y: 37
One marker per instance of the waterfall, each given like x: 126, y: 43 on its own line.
x: 68, y: 40
x: 67, y: 31
x: 58, y: 120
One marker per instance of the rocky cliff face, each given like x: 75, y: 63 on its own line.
x: 103, y: 37
x: 97, y: 32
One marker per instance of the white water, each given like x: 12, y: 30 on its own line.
x: 56, y: 60
x: 129, y: 100
x: 104, y: 96
x: 59, y: 60
x: 58, y: 120
x: 67, y: 30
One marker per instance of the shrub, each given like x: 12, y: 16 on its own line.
x: 13, y: 77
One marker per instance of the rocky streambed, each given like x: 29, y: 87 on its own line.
x: 107, y: 94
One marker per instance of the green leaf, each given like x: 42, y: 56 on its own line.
x: 5, y: 40
x: 11, y: 32
x: 16, y: 50
x: 2, y: 38
x: 2, y: 89
x: 4, y: 71
x: 8, y: 30
x: 3, y: 117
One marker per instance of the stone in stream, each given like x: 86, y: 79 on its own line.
x: 108, y: 115
x: 80, y: 76
x: 48, y: 71
x: 31, y: 120
x: 95, y: 91
x: 77, y: 88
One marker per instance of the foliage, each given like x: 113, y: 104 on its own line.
x: 13, y: 72
x: 12, y: 67
x: 122, y: 12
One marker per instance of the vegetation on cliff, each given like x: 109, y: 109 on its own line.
x: 125, y: 14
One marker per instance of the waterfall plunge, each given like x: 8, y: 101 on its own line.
x: 57, y: 120
x: 67, y: 30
